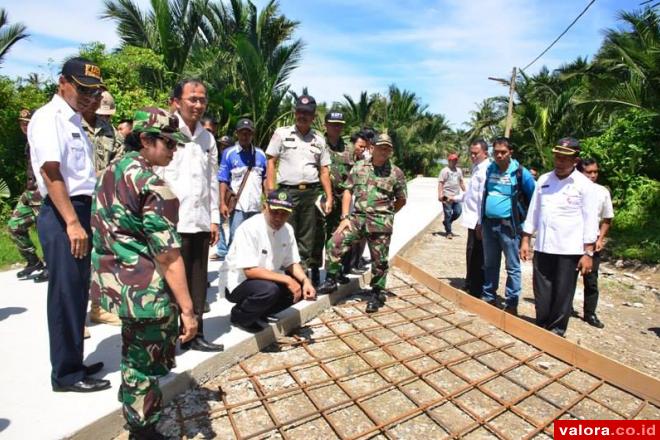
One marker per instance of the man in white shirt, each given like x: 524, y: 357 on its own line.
x: 563, y: 213
x: 589, y: 167
x: 191, y: 175
x: 472, y: 201
x: 62, y: 161
x: 265, y: 275
x: 450, y: 185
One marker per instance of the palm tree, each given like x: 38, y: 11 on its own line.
x: 9, y: 34
x: 485, y: 121
x: 358, y: 113
x: 171, y: 28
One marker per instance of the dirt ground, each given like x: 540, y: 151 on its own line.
x: 628, y: 303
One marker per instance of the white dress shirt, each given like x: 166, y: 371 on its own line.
x: 192, y: 178
x: 55, y: 134
x: 256, y: 244
x: 473, y: 196
x: 563, y: 213
x: 605, y: 208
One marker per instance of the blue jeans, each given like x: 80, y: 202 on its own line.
x: 498, y: 238
x: 452, y: 212
x: 222, y: 247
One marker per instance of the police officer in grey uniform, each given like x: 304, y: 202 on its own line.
x: 301, y: 158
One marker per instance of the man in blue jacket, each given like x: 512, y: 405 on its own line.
x: 507, y: 192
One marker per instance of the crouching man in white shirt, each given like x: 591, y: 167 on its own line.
x: 563, y: 213
x: 265, y: 275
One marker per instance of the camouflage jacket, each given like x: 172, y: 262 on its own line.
x: 106, y: 141
x: 341, y: 165
x: 134, y: 216
x: 375, y: 189
x: 30, y: 180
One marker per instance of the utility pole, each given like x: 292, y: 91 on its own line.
x: 512, y: 89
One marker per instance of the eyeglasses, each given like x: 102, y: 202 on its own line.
x: 196, y: 100
x: 92, y: 92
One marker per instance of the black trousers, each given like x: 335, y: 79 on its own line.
x: 195, y: 254
x: 258, y: 298
x: 68, y: 290
x: 590, y: 281
x: 474, y: 259
x: 554, y: 283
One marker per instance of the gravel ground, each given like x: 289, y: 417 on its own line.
x: 628, y: 304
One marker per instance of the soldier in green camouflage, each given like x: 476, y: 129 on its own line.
x: 379, y: 188
x: 25, y: 215
x: 342, y: 162
x: 137, y: 269
x: 108, y: 144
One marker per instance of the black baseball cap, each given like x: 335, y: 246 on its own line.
x: 306, y: 103
x: 244, y: 123
x: 567, y: 146
x: 280, y: 199
x: 336, y: 117
x: 83, y: 72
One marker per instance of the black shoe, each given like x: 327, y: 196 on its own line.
x: 29, y: 269
x: 145, y: 433
x: 373, y: 305
x: 94, y: 368
x: 593, y: 321
x: 492, y: 302
x: 328, y: 286
x: 574, y: 313
x: 41, y: 277
x: 87, y: 385
x: 343, y: 279
x: 513, y: 310
x: 201, y: 344
x: 381, y: 295
x: 255, y: 327
x: 315, y: 276
x: 357, y: 271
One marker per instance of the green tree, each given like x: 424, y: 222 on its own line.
x: 9, y: 34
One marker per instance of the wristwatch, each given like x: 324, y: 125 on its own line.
x: 344, y: 217
x: 589, y: 254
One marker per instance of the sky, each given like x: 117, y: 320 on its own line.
x: 442, y: 50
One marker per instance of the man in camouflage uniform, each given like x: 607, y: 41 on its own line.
x: 25, y: 215
x: 342, y: 162
x: 107, y: 147
x: 137, y: 269
x: 379, y: 188
x: 107, y: 143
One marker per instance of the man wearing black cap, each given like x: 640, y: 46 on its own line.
x: 62, y: 160
x: 243, y: 173
x: 300, y: 158
x: 265, y: 275
x: 563, y: 213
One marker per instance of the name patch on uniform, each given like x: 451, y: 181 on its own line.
x: 545, y: 186
x: 289, y: 139
x: 264, y: 251
x: 75, y: 135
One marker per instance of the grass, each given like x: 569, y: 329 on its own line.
x: 636, y: 243
x: 9, y: 254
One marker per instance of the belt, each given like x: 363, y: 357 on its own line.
x: 82, y: 198
x: 301, y: 186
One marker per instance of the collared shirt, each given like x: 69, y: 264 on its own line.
x: 605, y: 208
x: 256, y: 244
x: 233, y: 166
x: 105, y: 141
x: 451, y: 180
x: 134, y: 218
x: 192, y: 176
x: 300, y: 156
x: 473, y: 195
x: 342, y: 161
x: 563, y: 213
x: 55, y: 134
x: 30, y: 179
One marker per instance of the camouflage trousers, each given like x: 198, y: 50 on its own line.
x: 148, y: 347
x: 21, y: 220
x: 379, y: 245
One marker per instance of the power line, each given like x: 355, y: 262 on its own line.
x: 560, y: 35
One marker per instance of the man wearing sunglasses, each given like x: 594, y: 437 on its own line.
x: 62, y: 160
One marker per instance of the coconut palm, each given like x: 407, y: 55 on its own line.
x: 9, y: 34
x: 358, y: 113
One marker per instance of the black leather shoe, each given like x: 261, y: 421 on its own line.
x: 593, y: 321
x: 29, y: 269
x: 328, y: 286
x: 511, y: 310
x: 41, y: 277
x: 87, y: 385
x: 357, y: 271
x: 343, y: 279
x: 315, y: 276
x: 94, y: 368
x: 201, y: 344
x: 255, y: 327
x: 373, y: 305
x: 145, y: 433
